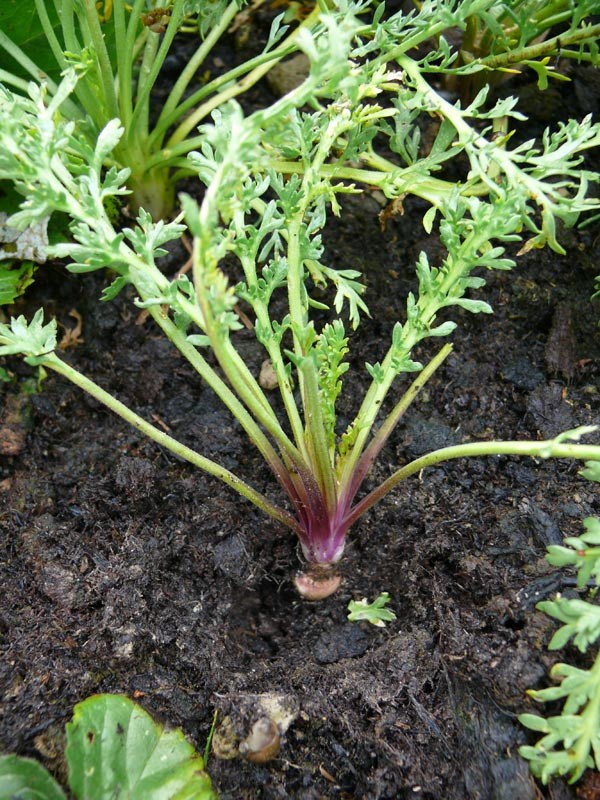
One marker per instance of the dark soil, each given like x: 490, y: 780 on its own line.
x: 125, y: 570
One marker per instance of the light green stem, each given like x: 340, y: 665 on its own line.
x: 227, y: 397
x: 141, y: 110
x: 188, y: 72
x: 273, y: 348
x: 241, y: 86
x: 237, y: 373
x: 9, y: 79
x: 404, y: 181
x: 260, y: 411
x: 70, y: 42
x: 148, y: 79
x: 164, y: 440
x: 540, y: 49
x: 126, y: 46
x: 51, y: 38
x: 546, y: 449
x: 24, y: 61
x: 104, y: 72
x: 391, y: 421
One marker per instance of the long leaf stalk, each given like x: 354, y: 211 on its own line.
x: 234, y: 83
x: 388, y: 175
x: 205, y: 265
x: 51, y: 361
x: 548, y: 47
x: 371, y: 452
x: 551, y: 448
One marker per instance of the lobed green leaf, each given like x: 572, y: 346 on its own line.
x: 31, y: 339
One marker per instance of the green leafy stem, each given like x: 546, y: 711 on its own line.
x: 570, y: 743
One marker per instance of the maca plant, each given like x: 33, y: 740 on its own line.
x: 271, y: 179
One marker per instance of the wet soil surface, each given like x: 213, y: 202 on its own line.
x: 125, y: 570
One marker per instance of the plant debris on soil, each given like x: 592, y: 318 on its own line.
x: 126, y: 570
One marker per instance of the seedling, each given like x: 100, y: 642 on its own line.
x: 376, y: 612
x: 266, y: 215
x: 571, y: 741
x: 114, y: 749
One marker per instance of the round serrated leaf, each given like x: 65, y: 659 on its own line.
x: 115, y: 749
x: 26, y: 779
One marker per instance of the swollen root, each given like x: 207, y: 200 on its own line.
x: 317, y: 582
